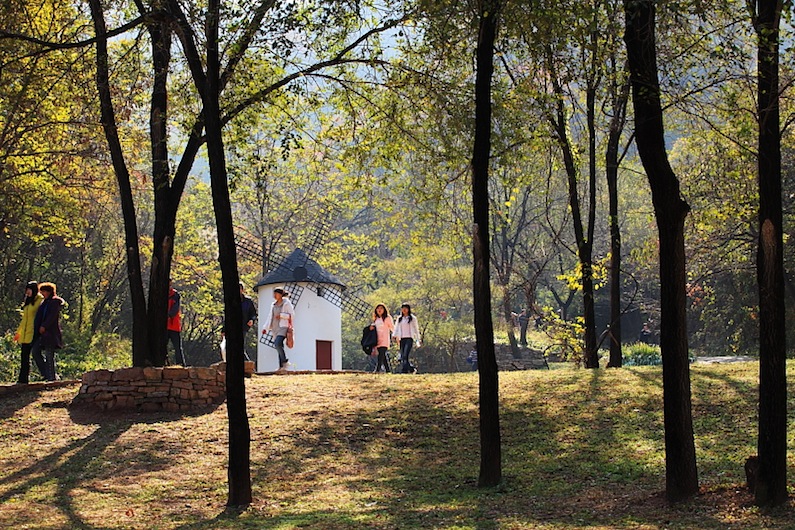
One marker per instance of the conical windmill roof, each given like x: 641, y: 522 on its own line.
x: 297, y: 267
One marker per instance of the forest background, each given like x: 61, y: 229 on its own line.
x: 384, y: 139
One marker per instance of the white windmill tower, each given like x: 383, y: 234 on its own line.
x: 319, y: 299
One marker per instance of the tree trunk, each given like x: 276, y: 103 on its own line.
x: 670, y: 212
x: 583, y: 235
x: 490, y: 445
x: 620, y: 98
x: 771, y: 479
x: 239, y: 433
x: 165, y: 215
x: 140, y: 329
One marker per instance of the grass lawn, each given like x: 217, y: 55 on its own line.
x: 581, y: 449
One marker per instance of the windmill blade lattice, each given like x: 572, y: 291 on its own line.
x: 351, y: 304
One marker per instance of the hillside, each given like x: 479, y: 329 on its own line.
x: 581, y: 449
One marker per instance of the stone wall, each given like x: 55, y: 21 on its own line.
x: 154, y: 389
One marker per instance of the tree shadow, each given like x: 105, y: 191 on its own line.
x: 82, y: 460
x: 425, y: 474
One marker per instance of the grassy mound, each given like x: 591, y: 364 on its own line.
x: 581, y: 449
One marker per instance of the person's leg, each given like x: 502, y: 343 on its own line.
x: 523, y: 334
x: 382, y: 359
x: 245, y: 342
x: 405, y: 350
x: 49, y: 359
x: 178, y: 355
x: 24, y: 366
x: 278, y: 343
x: 176, y: 342
x: 38, y: 358
x: 382, y: 354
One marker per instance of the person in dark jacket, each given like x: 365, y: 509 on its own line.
x: 249, y: 316
x: 47, y: 324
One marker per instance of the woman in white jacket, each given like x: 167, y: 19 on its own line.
x: 278, y: 321
x: 407, y: 332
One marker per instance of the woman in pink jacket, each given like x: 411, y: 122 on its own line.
x: 383, y: 325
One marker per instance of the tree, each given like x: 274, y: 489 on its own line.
x: 670, y: 211
x: 771, y: 478
x: 490, y: 448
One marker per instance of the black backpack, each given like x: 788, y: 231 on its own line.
x: 369, y: 339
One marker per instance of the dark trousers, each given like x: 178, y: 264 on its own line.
x: 382, y: 360
x: 176, y: 341
x: 24, y: 367
x: 405, y: 350
x: 523, y: 333
x: 278, y: 343
x: 45, y: 360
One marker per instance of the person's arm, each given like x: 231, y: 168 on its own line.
x: 21, y: 327
x: 175, y: 306
x: 268, y: 320
x: 50, y: 319
x: 290, y: 310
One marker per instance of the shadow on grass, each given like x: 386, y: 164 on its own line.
x: 10, y: 404
x: 416, y: 466
x: 83, y: 460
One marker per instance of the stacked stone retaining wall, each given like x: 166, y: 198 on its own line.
x: 154, y: 389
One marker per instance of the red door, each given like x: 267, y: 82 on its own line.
x: 323, y: 355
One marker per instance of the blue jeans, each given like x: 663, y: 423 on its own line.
x: 405, y: 350
x: 278, y: 343
x: 45, y: 360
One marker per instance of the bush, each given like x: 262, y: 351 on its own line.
x: 641, y: 354
x: 9, y: 357
x: 84, y: 353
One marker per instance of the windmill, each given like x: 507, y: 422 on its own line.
x: 318, y: 297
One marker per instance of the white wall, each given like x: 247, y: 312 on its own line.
x: 315, y: 319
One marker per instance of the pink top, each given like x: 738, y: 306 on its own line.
x: 383, y: 329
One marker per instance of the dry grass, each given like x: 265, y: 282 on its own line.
x: 581, y: 449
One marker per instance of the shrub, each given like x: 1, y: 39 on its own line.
x: 641, y: 354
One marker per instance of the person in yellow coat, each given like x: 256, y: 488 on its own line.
x: 26, y: 332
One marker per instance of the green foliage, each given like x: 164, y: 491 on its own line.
x: 9, y: 358
x: 641, y: 354
x: 565, y: 336
x: 85, y: 352
x: 82, y: 352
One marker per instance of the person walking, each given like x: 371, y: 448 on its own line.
x: 384, y: 326
x: 249, y: 309
x: 174, y: 324
x: 26, y: 332
x: 47, y: 323
x: 407, y: 332
x: 279, y: 321
x: 524, y: 321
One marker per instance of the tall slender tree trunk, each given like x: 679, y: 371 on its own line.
x: 490, y: 444
x: 771, y: 482
x: 140, y: 329
x: 620, y: 99
x: 582, y: 235
x: 670, y: 211
x: 165, y: 215
x: 239, y: 432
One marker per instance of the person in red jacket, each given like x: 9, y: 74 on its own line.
x: 174, y: 324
